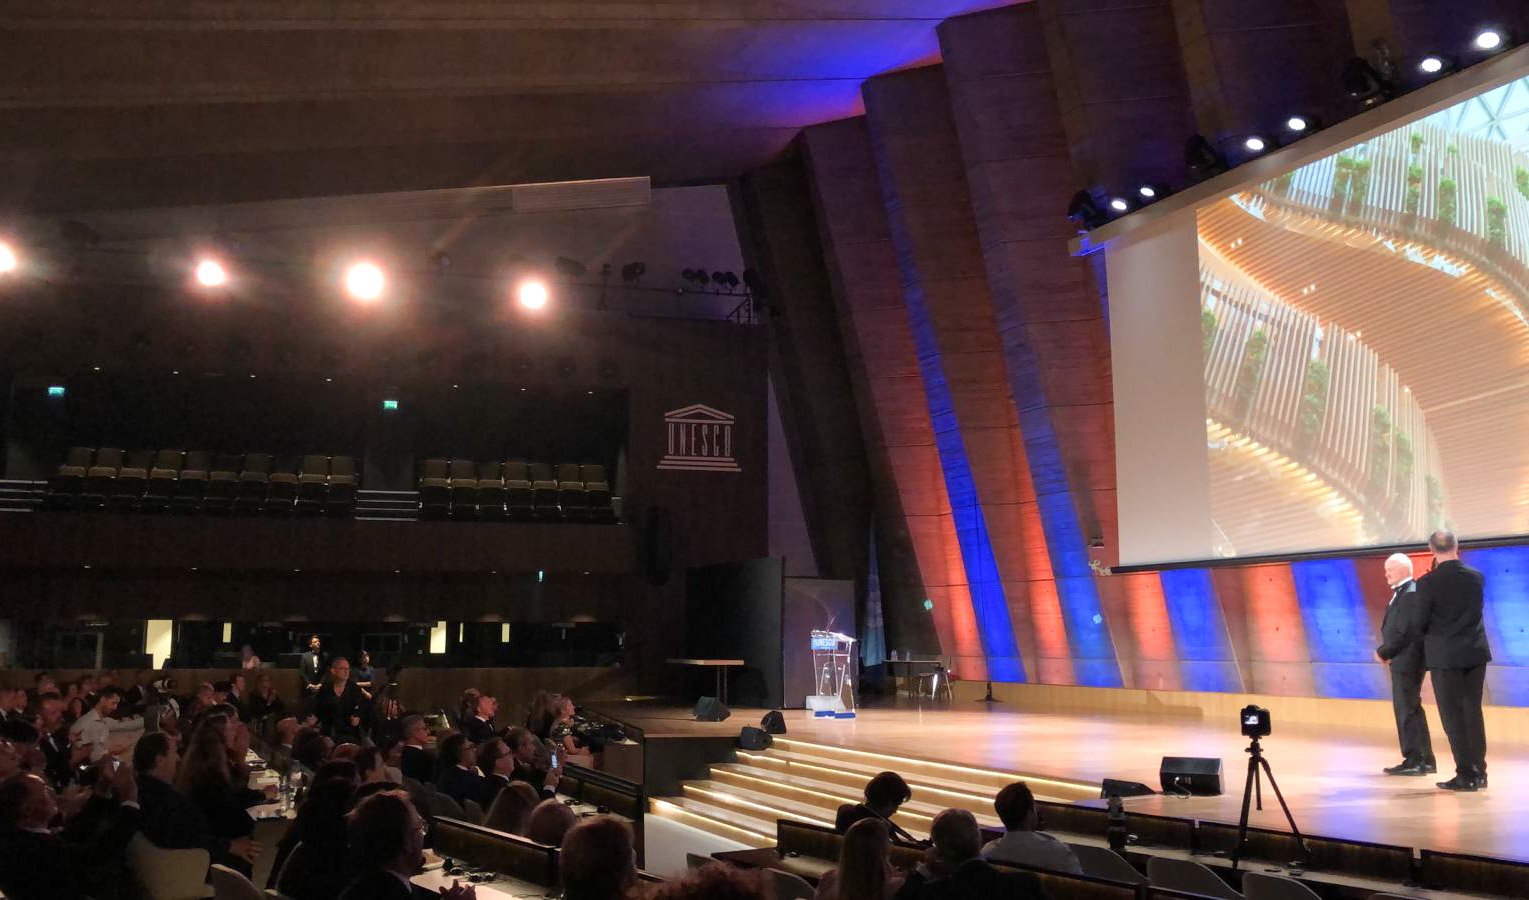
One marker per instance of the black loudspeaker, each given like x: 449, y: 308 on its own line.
x: 1114, y: 787
x: 657, y: 550
x: 1197, y: 775
x: 751, y: 738
x: 710, y: 709
x: 773, y: 722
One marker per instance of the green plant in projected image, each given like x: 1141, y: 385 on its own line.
x: 1380, y: 450
x: 1449, y: 201
x: 1497, y: 220
x: 1208, y: 326
x: 1255, y: 355
x: 1314, y: 399
x: 1521, y: 181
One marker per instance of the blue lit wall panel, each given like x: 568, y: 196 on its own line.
x: 1339, y: 635
x: 1200, y: 638
x: 1507, y: 620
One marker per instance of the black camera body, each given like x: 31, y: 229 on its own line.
x: 1255, y: 722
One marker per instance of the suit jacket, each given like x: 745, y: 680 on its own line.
x: 417, y: 763
x: 312, y: 668
x: 171, y: 821
x: 224, y: 808
x: 334, y: 712
x: 976, y: 879
x: 465, y: 784
x: 377, y: 885
x: 850, y: 813
x: 478, y: 730
x: 1405, y: 656
x: 86, y: 858
x: 536, y: 778
x: 1449, y: 617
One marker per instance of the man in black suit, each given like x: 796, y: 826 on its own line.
x: 311, y: 666
x: 85, y: 858
x: 386, y: 840
x: 1407, y: 669
x: 415, y: 760
x: 480, y: 726
x: 170, y: 820
x: 1455, y: 646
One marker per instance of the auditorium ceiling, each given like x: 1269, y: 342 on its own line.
x: 120, y: 103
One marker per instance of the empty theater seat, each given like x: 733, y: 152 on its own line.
x: 131, y: 479
x: 312, y: 483
x: 491, y: 490
x: 434, y: 487
x: 341, y: 497
x: 570, y: 491
x: 68, y: 480
x: 254, y: 476
x: 544, y: 491
x: 518, y: 499
x: 164, y: 474
x: 281, y: 488
x: 191, y: 486
x: 101, y: 476
x: 463, y: 484
x: 597, y: 493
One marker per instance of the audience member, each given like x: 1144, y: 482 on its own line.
x: 717, y: 881
x: 541, y: 712
x: 480, y: 726
x: 265, y: 701
x: 415, y: 760
x: 59, y: 758
x: 466, y: 707
x: 340, y: 704
x: 309, y: 859
x: 563, y: 737
x: 385, y: 723
x: 94, y: 728
x: 525, y: 748
x: 236, y: 697
x: 385, y: 839
x: 865, y: 868
x: 206, y: 780
x: 311, y: 747
x: 597, y: 861
x: 512, y: 808
x: 549, y: 822
x: 370, y: 766
x: 1023, y: 842
x: 247, y: 658
x: 496, y: 762
x: 392, y: 755
x: 459, y: 778
x: 953, y: 869
x: 86, y: 858
x: 884, y: 795
x: 169, y: 819
x: 365, y: 676
x: 43, y: 683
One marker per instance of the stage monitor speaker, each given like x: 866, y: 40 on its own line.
x: 710, y: 709
x: 1115, y: 787
x: 1196, y: 775
x: 773, y: 722
x: 751, y: 738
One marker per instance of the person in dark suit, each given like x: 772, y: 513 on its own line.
x: 1405, y: 661
x: 884, y: 794
x: 340, y: 705
x: 460, y: 779
x: 526, y: 751
x: 480, y: 725
x: 385, y: 842
x: 311, y: 666
x: 1449, y: 619
x: 415, y: 760
x: 955, y: 871
x: 85, y: 859
x: 168, y: 819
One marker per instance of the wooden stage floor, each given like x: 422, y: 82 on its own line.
x: 1331, y: 777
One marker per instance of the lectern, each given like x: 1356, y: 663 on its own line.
x: 833, y: 659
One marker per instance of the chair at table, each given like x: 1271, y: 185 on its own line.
x: 790, y: 887
x: 1102, y: 862
x: 228, y: 884
x: 936, y: 680
x: 473, y: 811
x: 1189, y: 876
x: 1258, y: 886
x: 695, y: 861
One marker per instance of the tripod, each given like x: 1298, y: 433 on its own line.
x: 989, y: 698
x: 1252, y: 792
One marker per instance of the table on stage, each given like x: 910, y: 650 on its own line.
x: 719, y: 665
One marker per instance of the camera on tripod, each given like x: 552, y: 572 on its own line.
x: 1255, y: 722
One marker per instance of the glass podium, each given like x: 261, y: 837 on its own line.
x: 833, y: 661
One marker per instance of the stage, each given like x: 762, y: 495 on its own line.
x: 1330, y: 774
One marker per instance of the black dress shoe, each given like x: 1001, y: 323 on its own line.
x: 1481, y: 782
x: 1459, y: 783
x: 1407, y: 768
x: 1429, y: 768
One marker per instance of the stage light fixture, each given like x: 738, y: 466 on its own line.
x: 1120, y: 204
x: 1151, y: 193
x: 9, y: 262
x: 532, y: 294
x: 1084, y: 211
x: 1489, y: 39
x: 1302, y: 124
x: 1434, y: 64
x: 1257, y: 143
x: 1203, y: 159
x: 1363, y: 83
x: 210, y: 273
x: 365, y: 282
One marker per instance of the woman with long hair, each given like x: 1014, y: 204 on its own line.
x: 206, y: 779
x: 865, y: 868
x: 265, y: 701
x: 561, y: 734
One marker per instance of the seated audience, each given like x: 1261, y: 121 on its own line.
x: 365, y: 676
x: 459, y: 778
x: 392, y: 754
x: 525, y: 749
x: 541, y: 712
x: 496, y: 762
x: 385, y: 839
x: 884, y: 795
x: 385, y: 723
x: 340, y: 704
x: 59, y: 758
x: 310, y: 748
x: 247, y: 658
x: 480, y: 725
x: 234, y: 695
x: 597, y: 861
x: 168, y: 818
x: 205, y: 778
x: 466, y: 706
x: 865, y: 868
x: 717, y: 881
x: 415, y: 760
x: 954, y: 870
x: 371, y: 767
x: 283, y: 734
x: 310, y: 856
x: 512, y: 808
x: 549, y: 822
x: 563, y: 737
x: 1023, y: 842
x: 94, y: 728
x: 86, y: 858
x: 265, y: 701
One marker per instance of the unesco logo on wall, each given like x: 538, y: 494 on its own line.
x: 700, y: 440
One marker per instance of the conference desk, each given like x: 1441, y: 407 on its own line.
x: 808, y: 868
x: 720, y: 666
x: 492, y: 887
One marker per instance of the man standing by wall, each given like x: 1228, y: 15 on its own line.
x: 312, y: 666
x: 1407, y: 670
x: 1455, y: 646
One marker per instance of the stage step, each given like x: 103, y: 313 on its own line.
x: 915, y: 815
x: 715, y: 819
x: 855, y: 767
x: 750, y: 802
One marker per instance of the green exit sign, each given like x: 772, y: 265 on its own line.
x: 390, y: 406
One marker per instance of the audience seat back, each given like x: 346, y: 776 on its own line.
x: 228, y: 884
x: 510, y: 854
x: 1258, y: 886
x: 1188, y: 875
x: 1102, y: 862
x: 168, y: 874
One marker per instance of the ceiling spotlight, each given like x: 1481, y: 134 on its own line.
x: 1120, y: 204
x: 1147, y: 193
x: 1203, y: 159
x: 1256, y: 143
x: 532, y: 294
x: 633, y: 271
x: 1084, y: 212
x: 1301, y: 124
x: 364, y: 281
x: 8, y: 260
x: 1488, y: 39
x: 210, y: 273
x: 1433, y: 65
x: 1363, y: 83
